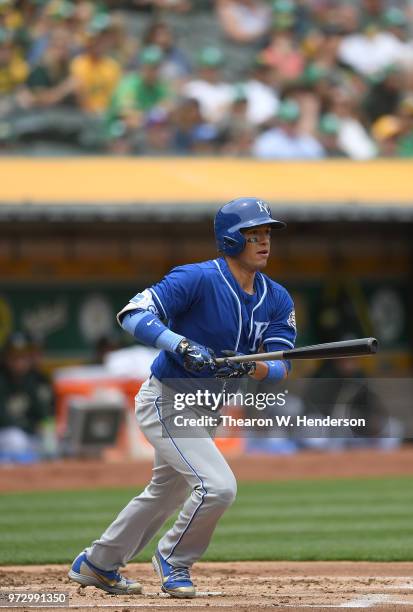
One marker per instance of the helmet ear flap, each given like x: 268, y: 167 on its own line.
x: 233, y: 245
x: 230, y: 242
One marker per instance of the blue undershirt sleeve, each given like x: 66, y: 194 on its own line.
x: 148, y: 329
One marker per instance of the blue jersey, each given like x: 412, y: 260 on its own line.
x: 204, y: 303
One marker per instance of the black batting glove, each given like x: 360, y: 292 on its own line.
x: 234, y: 370
x: 197, y: 358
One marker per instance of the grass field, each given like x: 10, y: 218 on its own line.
x: 363, y: 519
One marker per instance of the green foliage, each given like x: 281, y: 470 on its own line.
x: 364, y: 519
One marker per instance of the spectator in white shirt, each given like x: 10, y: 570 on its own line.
x: 396, y: 23
x: 353, y: 139
x: 369, y: 51
x: 262, y: 97
x: 212, y: 92
x: 286, y: 141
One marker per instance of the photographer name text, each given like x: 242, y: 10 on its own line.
x: 276, y: 421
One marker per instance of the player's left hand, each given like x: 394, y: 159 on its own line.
x: 197, y: 358
x: 234, y: 370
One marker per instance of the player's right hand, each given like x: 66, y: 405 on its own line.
x: 230, y: 369
x: 197, y: 358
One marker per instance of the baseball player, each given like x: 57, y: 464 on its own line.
x: 193, y: 315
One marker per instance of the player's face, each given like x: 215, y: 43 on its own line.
x: 257, y: 248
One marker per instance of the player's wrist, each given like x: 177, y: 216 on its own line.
x: 168, y: 341
x: 183, y: 346
x: 260, y: 371
x: 255, y: 370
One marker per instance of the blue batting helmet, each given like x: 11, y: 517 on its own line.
x: 241, y: 213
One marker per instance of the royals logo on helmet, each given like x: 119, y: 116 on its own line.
x: 263, y: 207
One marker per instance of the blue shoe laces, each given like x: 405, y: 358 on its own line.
x: 179, y: 573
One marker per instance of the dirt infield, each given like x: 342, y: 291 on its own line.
x: 73, y: 474
x: 240, y: 586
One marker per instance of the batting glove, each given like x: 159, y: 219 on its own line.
x: 230, y: 369
x: 197, y: 358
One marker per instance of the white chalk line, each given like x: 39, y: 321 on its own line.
x: 373, y: 599
x: 364, y: 602
x: 293, y: 580
x: 355, y: 589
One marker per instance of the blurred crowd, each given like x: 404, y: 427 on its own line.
x: 27, y: 403
x: 315, y: 78
x: 28, y: 398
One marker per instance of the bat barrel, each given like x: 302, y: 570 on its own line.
x: 335, y: 350
x: 330, y: 350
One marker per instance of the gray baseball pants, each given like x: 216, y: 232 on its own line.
x: 188, y: 472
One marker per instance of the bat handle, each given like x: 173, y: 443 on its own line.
x: 256, y: 357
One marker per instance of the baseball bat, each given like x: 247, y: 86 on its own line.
x: 330, y: 350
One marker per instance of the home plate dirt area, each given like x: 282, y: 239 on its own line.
x: 239, y: 586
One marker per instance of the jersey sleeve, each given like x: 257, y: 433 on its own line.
x: 281, y: 333
x: 173, y: 295
x: 177, y: 291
